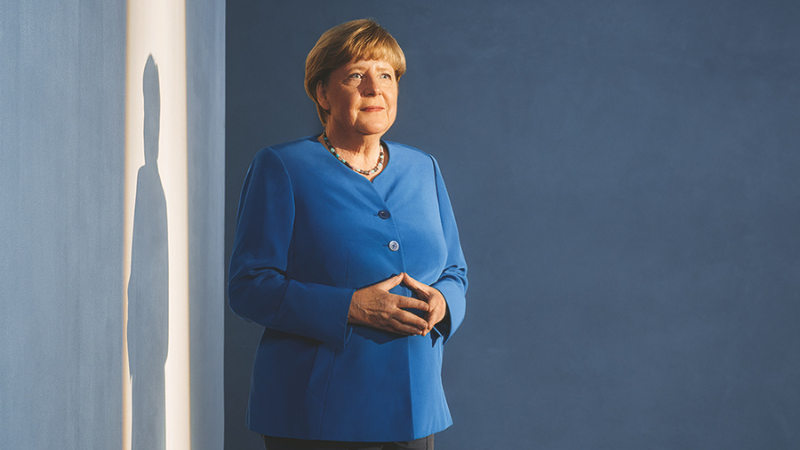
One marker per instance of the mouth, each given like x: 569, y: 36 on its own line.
x: 372, y: 109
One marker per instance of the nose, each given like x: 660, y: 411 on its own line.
x: 370, y: 86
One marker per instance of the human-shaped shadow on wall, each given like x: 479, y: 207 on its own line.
x: 148, y: 288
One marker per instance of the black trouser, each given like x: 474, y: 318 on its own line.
x: 276, y: 443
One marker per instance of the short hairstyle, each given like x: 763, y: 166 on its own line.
x: 356, y: 40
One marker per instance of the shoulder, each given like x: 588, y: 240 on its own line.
x: 287, y: 151
x: 407, y: 150
x: 413, y: 159
x: 407, y: 155
x: 288, y: 157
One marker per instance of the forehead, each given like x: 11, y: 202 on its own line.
x: 369, y: 63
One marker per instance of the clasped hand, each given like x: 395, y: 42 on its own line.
x: 376, y: 307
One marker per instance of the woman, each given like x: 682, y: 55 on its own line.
x: 347, y: 252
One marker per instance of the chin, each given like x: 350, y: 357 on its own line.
x: 375, y: 128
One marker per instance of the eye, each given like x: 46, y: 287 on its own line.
x: 356, y: 75
x: 386, y: 76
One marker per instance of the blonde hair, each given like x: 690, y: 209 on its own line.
x: 356, y: 40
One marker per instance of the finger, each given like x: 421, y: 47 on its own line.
x: 438, y: 312
x: 391, y: 282
x: 399, y: 327
x: 420, y: 290
x: 434, y: 317
x: 431, y: 324
x: 411, y: 320
x: 413, y: 284
x: 408, y: 302
x: 433, y: 321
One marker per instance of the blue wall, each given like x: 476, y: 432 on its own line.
x: 62, y: 155
x: 625, y: 178
x: 205, y: 107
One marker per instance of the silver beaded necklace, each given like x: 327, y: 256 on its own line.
x: 343, y: 161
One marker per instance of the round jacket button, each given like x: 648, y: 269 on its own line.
x: 394, y: 246
x: 383, y: 214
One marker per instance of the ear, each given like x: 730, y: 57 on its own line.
x: 322, y: 96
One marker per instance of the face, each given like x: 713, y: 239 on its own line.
x: 361, y: 97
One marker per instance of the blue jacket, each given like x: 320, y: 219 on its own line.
x: 310, y: 232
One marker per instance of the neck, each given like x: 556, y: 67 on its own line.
x: 355, y: 145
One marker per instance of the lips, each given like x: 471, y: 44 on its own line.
x: 372, y: 109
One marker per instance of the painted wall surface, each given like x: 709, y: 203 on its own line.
x: 61, y: 164
x: 624, y: 176
x: 205, y: 103
x: 62, y: 234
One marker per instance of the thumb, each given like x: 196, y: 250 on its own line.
x: 413, y: 284
x: 390, y: 283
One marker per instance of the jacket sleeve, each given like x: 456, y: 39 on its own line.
x: 452, y: 283
x: 259, y: 288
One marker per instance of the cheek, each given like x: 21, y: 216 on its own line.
x: 391, y: 101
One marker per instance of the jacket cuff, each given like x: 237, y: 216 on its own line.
x: 453, y: 294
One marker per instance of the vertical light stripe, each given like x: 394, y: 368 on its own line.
x: 158, y: 28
